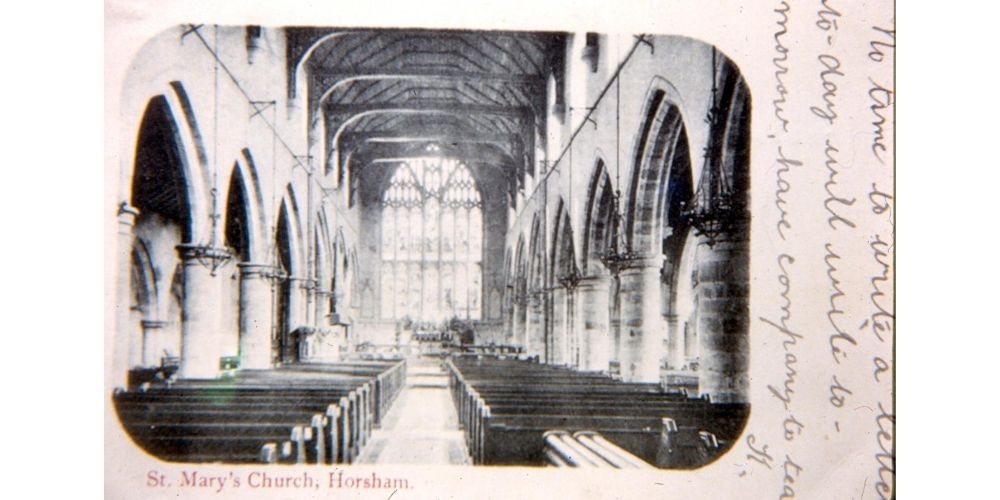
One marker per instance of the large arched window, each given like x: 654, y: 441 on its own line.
x: 432, y: 242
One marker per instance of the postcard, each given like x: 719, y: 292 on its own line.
x: 397, y: 250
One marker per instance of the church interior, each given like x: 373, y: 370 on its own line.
x: 353, y: 245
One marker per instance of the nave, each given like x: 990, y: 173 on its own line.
x: 323, y: 225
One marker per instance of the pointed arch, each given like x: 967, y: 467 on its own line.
x: 236, y: 228
x: 144, y: 278
x: 520, y: 268
x: 563, y: 247
x: 564, y: 345
x: 661, y: 186
x: 338, y: 280
x: 162, y: 173
x: 284, y: 242
x: 599, y: 222
x: 324, y: 244
x: 283, y: 346
x: 735, y: 151
x: 257, y: 222
x: 519, y: 301
x: 296, y: 233
x: 536, y: 261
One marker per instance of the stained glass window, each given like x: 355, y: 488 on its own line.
x: 432, y: 241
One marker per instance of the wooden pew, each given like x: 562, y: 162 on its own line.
x: 507, y: 406
x: 299, y: 414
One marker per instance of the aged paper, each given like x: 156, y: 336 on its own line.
x: 822, y: 316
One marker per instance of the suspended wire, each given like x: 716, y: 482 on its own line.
x: 614, y: 78
x: 274, y: 129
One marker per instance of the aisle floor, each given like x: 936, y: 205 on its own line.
x: 422, y: 425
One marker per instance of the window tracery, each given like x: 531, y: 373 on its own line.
x: 432, y: 241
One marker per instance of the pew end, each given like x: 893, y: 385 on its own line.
x: 269, y: 453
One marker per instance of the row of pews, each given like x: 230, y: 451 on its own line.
x: 301, y: 413
x: 507, y: 408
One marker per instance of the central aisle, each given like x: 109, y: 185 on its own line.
x: 422, y: 425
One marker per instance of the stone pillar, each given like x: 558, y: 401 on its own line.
x: 723, y: 318
x: 123, y: 301
x: 137, y: 342
x: 558, y: 340
x: 595, y: 352
x: 642, y: 327
x: 535, y: 338
x: 202, y: 339
x: 256, y: 315
x: 338, y: 312
x: 614, y: 319
x: 571, y: 330
x: 298, y: 301
x: 519, y: 333
x: 322, y: 298
x: 507, y: 314
x: 675, y: 343
x: 153, y: 341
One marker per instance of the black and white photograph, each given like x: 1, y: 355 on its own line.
x: 344, y: 250
x: 427, y: 246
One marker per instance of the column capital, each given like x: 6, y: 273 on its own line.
x: 303, y: 282
x: 643, y: 263
x: 594, y: 281
x: 189, y: 251
x: 255, y: 270
x: 208, y: 256
x: 127, y: 214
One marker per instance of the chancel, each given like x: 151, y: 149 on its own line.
x: 341, y: 245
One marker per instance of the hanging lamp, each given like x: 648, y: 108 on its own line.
x: 715, y: 210
x: 619, y: 255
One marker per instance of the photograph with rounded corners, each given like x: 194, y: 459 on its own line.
x: 349, y: 245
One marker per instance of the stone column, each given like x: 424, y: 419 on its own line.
x: 337, y: 313
x: 202, y: 339
x: 256, y: 315
x: 558, y: 342
x: 723, y: 318
x: 137, y: 342
x: 507, y: 314
x: 614, y: 319
x: 153, y: 342
x: 520, y: 335
x: 595, y: 352
x: 322, y: 299
x: 642, y: 327
x: 570, y: 331
x: 298, y: 300
x: 123, y: 301
x: 675, y: 343
x: 535, y: 338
